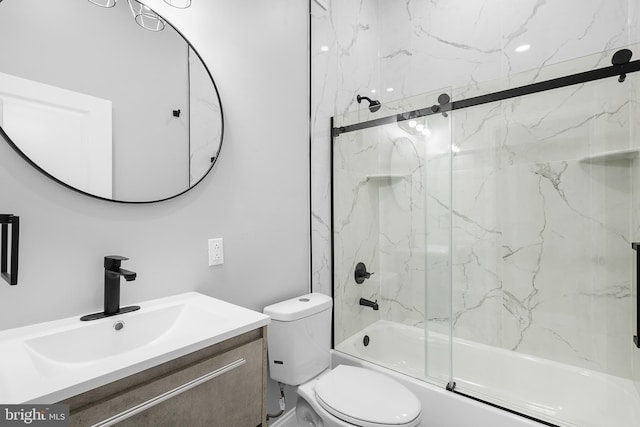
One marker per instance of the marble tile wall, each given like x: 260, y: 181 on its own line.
x: 635, y: 222
x: 382, y: 218
x: 540, y: 239
x: 541, y: 259
x: 344, y: 49
x: 357, y: 230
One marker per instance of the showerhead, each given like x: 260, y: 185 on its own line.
x: 373, y: 104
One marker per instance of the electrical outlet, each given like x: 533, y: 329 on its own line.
x: 216, y: 252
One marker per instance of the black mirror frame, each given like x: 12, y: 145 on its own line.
x: 214, y: 158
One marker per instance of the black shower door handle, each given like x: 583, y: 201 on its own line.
x: 636, y: 247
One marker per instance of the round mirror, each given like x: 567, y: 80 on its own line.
x: 110, y: 101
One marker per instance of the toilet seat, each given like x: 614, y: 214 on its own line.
x: 367, y: 398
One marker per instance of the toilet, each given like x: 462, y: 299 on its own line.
x: 299, y: 340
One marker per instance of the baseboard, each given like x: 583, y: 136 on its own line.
x: 288, y: 419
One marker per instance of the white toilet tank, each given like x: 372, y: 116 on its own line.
x: 299, y: 338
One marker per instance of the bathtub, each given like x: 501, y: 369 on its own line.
x: 554, y: 392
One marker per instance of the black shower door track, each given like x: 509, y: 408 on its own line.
x: 570, y: 80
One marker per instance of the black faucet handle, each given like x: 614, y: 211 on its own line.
x: 112, y: 262
x: 361, y: 273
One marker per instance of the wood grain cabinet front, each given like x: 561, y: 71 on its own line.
x: 222, y: 385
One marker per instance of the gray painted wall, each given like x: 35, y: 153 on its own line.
x: 256, y: 197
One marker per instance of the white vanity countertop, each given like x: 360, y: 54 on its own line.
x: 52, y: 361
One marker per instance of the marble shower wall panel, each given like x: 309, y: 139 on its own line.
x: 429, y: 44
x: 476, y: 231
x: 417, y: 46
x: 635, y: 223
x: 541, y: 248
x: 402, y: 226
x: 405, y: 170
x: 379, y: 220
x: 437, y: 199
x: 344, y: 49
x: 526, y: 148
x: 356, y: 230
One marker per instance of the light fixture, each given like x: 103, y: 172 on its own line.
x: 104, y: 3
x: 412, y: 123
x: 324, y: 48
x: 143, y: 15
x: 180, y: 4
x: 389, y: 89
x: 523, y: 48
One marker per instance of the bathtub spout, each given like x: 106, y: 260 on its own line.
x: 367, y: 303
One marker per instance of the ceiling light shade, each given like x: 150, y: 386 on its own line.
x: 104, y: 3
x: 180, y: 4
x: 145, y: 17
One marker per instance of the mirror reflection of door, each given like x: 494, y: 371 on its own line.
x: 68, y: 134
x: 140, y: 150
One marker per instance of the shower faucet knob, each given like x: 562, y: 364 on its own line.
x: 361, y: 273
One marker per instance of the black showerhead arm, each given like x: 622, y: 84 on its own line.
x: 374, y: 105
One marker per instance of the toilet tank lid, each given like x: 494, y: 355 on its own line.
x: 298, y: 307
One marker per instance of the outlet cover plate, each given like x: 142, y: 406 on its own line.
x: 216, y: 252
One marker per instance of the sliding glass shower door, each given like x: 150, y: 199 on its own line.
x: 545, y: 203
x: 391, y: 217
x: 496, y: 243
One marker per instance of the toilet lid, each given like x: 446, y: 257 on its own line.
x: 367, y: 398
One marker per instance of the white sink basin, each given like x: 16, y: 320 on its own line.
x: 49, y: 362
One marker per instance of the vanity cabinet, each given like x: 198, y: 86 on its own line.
x: 221, y: 385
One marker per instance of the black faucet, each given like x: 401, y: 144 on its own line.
x: 112, y: 273
x: 367, y: 303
